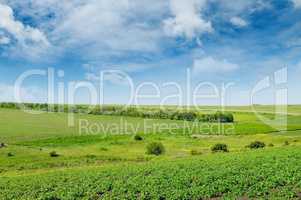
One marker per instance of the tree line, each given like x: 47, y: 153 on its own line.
x: 131, y: 111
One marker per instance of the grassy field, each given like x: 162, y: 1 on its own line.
x: 236, y: 175
x: 104, y: 165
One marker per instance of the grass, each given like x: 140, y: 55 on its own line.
x: 78, y: 151
x: 16, y: 125
x: 116, y: 166
x: 226, y: 176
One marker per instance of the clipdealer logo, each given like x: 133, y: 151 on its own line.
x: 277, y: 83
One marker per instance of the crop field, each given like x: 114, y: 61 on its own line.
x: 42, y: 157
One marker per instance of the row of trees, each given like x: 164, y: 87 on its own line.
x: 132, y: 111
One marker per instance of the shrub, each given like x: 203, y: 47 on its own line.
x: 256, y: 145
x: 54, y: 154
x: 194, y: 152
x: 286, y: 143
x: 155, y: 148
x: 229, y: 117
x: 104, y: 149
x: 217, y: 117
x: 91, y: 156
x: 2, y: 145
x: 138, y: 137
x: 10, y: 154
x: 219, y: 148
x: 271, y: 145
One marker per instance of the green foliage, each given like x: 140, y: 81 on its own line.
x: 155, y: 148
x: 2, y: 145
x: 271, y: 145
x: 220, y: 148
x: 125, y: 172
x: 256, y: 145
x: 286, y: 143
x: 217, y: 117
x: 195, y: 152
x: 54, y: 154
x: 9, y: 154
x: 138, y: 137
x: 250, y: 175
x: 132, y: 111
x: 104, y: 149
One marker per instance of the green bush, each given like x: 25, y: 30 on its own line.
x: 155, y: 148
x: 138, y: 137
x: 256, y: 145
x: 271, y: 145
x: 104, y: 149
x: 132, y: 111
x: 2, y: 145
x: 217, y: 117
x: 195, y: 152
x: 220, y: 148
x: 10, y: 154
x: 286, y: 143
x: 54, y: 154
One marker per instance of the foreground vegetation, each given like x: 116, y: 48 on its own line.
x: 41, y: 157
x: 268, y: 174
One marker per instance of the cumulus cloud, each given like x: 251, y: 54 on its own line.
x: 210, y: 64
x: 115, y: 26
x: 18, y: 29
x: 104, y: 29
x: 239, y: 22
x: 26, y: 36
x: 187, y: 20
x: 297, y: 3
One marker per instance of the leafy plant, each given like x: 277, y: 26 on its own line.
x: 155, y: 148
x: 54, y: 154
x: 195, y: 152
x: 104, y: 149
x: 9, y: 154
x: 138, y: 137
x: 256, y: 145
x: 220, y: 148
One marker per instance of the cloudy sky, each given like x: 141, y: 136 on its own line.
x: 218, y: 41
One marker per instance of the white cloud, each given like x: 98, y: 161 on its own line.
x: 17, y: 29
x: 209, y: 64
x: 115, y: 26
x: 4, y: 40
x: 187, y: 21
x: 99, y: 29
x: 297, y: 3
x: 27, y: 37
x: 27, y: 94
x: 237, y: 21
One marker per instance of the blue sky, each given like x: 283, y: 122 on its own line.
x: 221, y: 41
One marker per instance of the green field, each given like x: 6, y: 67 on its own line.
x: 108, y: 163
